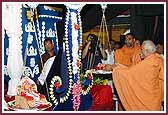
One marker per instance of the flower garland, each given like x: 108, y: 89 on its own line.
x: 73, y: 47
x: 67, y: 49
x: 88, y: 75
x: 56, y: 83
x: 76, y: 96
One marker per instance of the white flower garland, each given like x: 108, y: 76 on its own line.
x: 52, y: 86
x: 63, y: 99
x: 74, y: 43
x: 74, y: 63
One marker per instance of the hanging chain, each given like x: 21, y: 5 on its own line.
x: 103, y: 27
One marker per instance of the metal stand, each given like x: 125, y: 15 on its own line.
x: 115, y: 99
x: 115, y: 96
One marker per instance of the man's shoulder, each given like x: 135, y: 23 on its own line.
x: 51, y: 59
x: 137, y: 47
x: 159, y: 57
x: 154, y: 59
x: 45, y: 54
x: 118, y: 50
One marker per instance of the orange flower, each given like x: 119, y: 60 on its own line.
x: 80, y: 48
x: 78, y: 63
x: 57, y: 85
x: 76, y: 26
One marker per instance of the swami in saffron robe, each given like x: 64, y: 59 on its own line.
x: 125, y: 55
x: 140, y: 87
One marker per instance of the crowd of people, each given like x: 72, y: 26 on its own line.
x: 137, y: 70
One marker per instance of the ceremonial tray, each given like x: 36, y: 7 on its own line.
x: 38, y: 107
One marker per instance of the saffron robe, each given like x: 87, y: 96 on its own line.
x: 125, y: 55
x: 140, y: 87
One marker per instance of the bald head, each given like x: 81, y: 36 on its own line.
x: 148, y: 47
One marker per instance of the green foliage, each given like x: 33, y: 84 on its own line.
x: 82, y: 77
x: 96, y: 80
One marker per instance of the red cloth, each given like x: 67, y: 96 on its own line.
x: 102, y: 98
x: 7, y: 98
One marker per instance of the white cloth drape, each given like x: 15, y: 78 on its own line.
x: 46, y: 69
x: 15, y: 60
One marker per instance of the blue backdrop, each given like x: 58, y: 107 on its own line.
x: 33, y: 37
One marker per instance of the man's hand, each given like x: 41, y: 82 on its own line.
x: 109, y: 67
x: 120, y: 65
x: 89, y: 43
x: 100, y: 46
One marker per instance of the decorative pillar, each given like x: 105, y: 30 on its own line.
x: 13, y: 27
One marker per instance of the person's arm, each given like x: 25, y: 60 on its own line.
x: 118, y: 56
x: 103, y: 53
x: 46, y: 70
x: 161, y: 79
x: 136, y: 59
x: 85, y: 51
x: 110, y: 67
x: 121, y: 65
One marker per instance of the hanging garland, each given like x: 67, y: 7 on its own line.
x: 70, y: 55
x: 73, y: 44
x: 73, y: 52
x: 76, y: 95
x: 88, y: 74
x: 56, y: 83
x: 73, y: 49
x: 67, y: 49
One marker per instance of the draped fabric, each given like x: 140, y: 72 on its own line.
x: 125, y: 55
x: 102, y: 98
x: 72, y: 46
x: 46, y: 26
x: 140, y: 87
x: 32, y: 39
